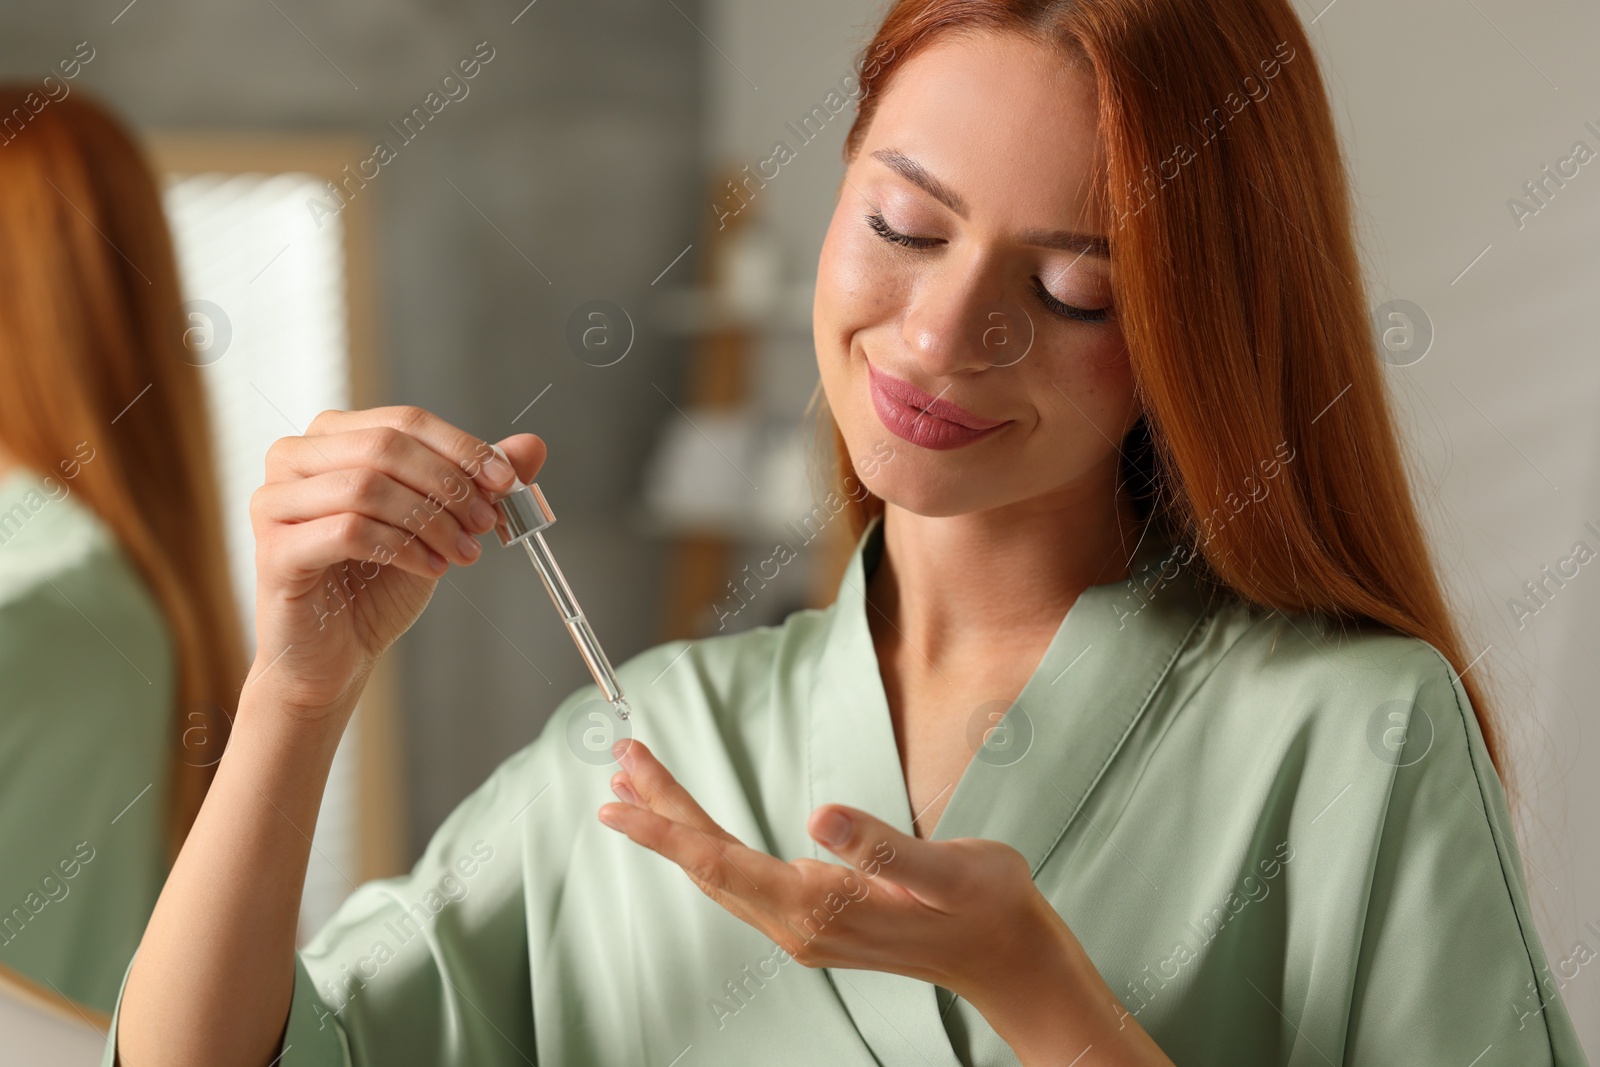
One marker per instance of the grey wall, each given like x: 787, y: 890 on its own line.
x: 581, y: 142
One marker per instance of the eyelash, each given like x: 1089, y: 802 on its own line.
x: 882, y: 229
x: 1066, y: 311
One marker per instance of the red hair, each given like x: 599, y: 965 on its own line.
x: 1237, y: 284
x: 89, y: 321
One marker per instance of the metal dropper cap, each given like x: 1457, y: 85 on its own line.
x: 523, y: 511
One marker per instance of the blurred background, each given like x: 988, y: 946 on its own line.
x: 576, y: 246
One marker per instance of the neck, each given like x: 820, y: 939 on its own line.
x: 957, y: 585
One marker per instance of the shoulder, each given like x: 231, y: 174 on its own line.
x: 1356, y: 687
x: 1292, y: 715
x: 47, y: 534
x: 63, y: 577
x: 1358, y: 751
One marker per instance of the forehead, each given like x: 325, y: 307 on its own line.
x: 1007, y: 122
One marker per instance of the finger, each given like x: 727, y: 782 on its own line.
x: 659, y: 791
x: 624, y: 789
x: 464, y: 451
x: 876, y: 849
x: 370, y: 492
x: 391, y: 452
x: 305, y: 550
x: 722, y: 867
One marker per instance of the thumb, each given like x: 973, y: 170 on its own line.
x: 526, y: 452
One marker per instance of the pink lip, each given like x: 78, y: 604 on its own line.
x: 924, y: 419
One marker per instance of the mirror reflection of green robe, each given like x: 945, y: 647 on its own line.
x: 87, y: 744
x: 1279, y: 846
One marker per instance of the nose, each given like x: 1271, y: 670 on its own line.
x: 960, y: 319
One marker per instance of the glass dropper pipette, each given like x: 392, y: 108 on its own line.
x: 524, y: 516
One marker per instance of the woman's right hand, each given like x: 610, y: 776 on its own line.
x: 357, y: 522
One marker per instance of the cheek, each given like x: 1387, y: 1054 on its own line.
x: 1106, y: 354
x: 835, y: 316
x: 1093, y: 367
x: 832, y: 287
x: 853, y: 285
x: 1095, y: 374
x: 855, y: 297
x: 1106, y: 365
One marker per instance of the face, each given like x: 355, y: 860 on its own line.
x: 963, y: 321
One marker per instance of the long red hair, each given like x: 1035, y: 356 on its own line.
x: 1238, y: 287
x: 89, y: 321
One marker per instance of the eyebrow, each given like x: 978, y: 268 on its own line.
x: 917, y: 174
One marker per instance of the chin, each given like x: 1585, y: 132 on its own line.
x: 924, y: 483
x: 931, y: 503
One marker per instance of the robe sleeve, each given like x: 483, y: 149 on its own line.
x: 432, y: 966
x: 1451, y: 970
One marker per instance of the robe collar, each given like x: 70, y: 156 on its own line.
x: 1035, y: 762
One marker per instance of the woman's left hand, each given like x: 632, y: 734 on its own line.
x: 963, y: 914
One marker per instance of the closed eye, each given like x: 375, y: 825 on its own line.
x: 1068, y: 311
x: 1051, y: 303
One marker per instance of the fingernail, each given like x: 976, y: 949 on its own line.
x: 619, y: 751
x: 468, y: 545
x: 481, y: 514
x: 497, y: 472
x: 437, y: 562
x: 624, y: 791
x: 833, y: 828
x: 498, y: 469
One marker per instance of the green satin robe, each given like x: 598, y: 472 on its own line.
x: 86, y: 744
x: 1279, y: 846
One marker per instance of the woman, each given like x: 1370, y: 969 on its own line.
x: 120, y: 647
x: 1133, y: 483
